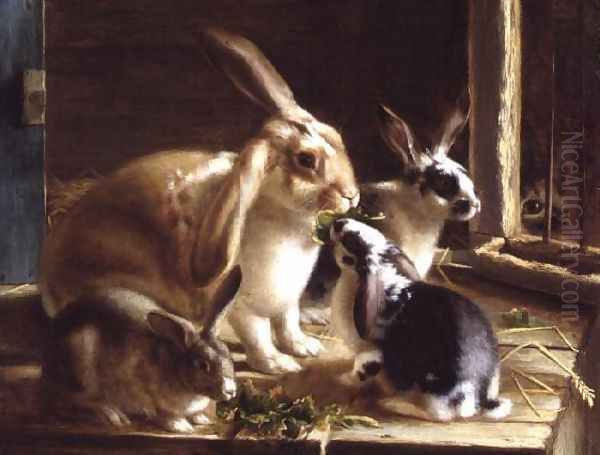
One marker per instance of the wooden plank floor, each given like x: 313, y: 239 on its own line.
x: 23, y: 431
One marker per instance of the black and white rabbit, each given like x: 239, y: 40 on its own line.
x: 424, y: 339
x: 430, y: 189
x: 120, y: 355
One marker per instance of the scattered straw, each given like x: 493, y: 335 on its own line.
x: 525, y: 396
x: 587, y: 393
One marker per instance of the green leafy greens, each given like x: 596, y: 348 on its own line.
x: 273, y: 413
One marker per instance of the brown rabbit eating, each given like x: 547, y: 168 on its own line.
x: 117, y: 355
x: 168, y: 224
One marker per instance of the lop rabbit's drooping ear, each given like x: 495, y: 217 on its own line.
x: 425, y: 338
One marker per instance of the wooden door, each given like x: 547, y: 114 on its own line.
x: 21, y: 146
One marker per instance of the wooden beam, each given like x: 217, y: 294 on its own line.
x: 591, y: 98
x: 495, y: 126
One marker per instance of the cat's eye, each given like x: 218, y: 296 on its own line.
x: 348, y: 260
x: 306, y: 160
x: 533, y: 206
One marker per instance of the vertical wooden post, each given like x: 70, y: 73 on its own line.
x: 591, y: 99
x: 22, y: 218
x: 495, y: 127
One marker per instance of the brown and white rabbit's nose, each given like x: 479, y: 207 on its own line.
x: 354, y: 199
x: 228, y: 389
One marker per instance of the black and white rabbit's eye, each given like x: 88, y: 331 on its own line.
x: 446, y: 185
x: 348, y: 260
x: 306, y: 160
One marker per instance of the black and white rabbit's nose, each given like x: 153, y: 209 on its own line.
x: 462, y: 206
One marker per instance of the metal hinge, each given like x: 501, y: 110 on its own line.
x: 34, y: 97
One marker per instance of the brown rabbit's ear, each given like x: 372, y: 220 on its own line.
x: 173, y: 328
x: 247, y: 67
x: 398, y: 136
x: 453, y: 124
x: 224, y: 295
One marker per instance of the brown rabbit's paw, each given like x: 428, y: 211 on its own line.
x: 113, y: 415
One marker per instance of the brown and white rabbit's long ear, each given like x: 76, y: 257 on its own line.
x: 218, y: 240
x: 453, y: 124
x: 248, y: 68
x: 223, y: 296
x: 399, y: 137
x: 369, y: 298
x: 175, y: 329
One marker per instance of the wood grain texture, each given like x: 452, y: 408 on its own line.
x: 495, y: 83
x: 127, y: 78
x: 21, y: 148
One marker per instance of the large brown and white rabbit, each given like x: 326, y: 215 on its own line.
x: 116, y: 355
x: 168, y: 224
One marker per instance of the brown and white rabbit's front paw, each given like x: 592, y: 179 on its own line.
x: 317, y: 315
x: 273, y: 363
x: 301, y: 345
x: 175, y: 424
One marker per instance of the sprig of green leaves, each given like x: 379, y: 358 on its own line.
x: 325, y: 219
x: 274, y: 414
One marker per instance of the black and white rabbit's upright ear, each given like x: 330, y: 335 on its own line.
x: 453, y: 124
x: 223, y: 297
x: 369, y: 300
x: 175, y: 329
x: 249, y: 70
x: 399, y: 137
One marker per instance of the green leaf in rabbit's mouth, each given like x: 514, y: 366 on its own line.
x: 325, y: 219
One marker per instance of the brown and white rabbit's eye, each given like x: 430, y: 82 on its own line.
x: 348, y: 260
x: 306, y: 160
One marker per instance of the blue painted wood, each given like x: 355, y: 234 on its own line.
x: 22, y: 218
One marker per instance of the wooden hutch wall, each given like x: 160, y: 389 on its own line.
x: 128, y: 78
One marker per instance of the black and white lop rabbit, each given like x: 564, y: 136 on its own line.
x: 431, y: 188
x: 119, y: 355
x: 419, y: 338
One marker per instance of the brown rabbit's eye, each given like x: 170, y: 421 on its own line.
x: 201, y: 365
x: 307, y: 160
x: 348, y: 260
